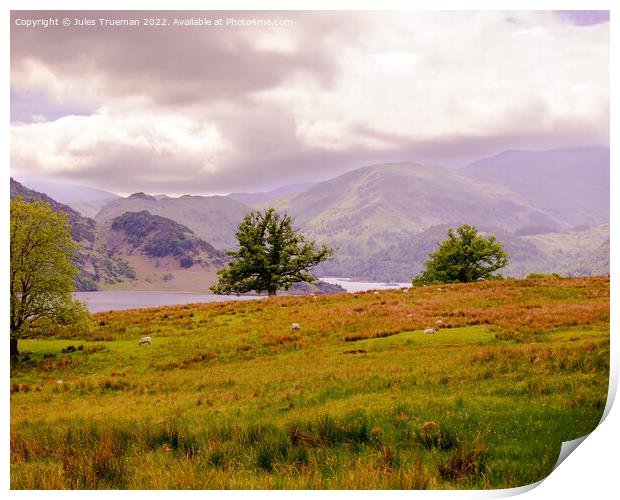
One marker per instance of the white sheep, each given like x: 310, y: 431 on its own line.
x: 430, y: 330
x: 294, y: 326
x: 375, y: 293
x: 439, y: 322
x: 144, y: 340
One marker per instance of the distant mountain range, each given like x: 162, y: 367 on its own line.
x: 212, y: 218
x: 85, y: 200
x: 262, y: 197
x: 95, y: 265
x: 142, y: 251
x: 385, y: 219
x: 549, y: 208
x: 570, y: 184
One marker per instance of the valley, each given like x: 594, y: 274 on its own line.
x: 383, y: 220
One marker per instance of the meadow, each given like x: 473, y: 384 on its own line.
x: 228, y: 396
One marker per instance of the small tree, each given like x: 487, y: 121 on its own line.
x: 464, y: 257
x: 271, y: 256
x: 42, y: 273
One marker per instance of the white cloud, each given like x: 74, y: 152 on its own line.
x: 72, y: 143
x: 262, y: 103
x: 424, y: 78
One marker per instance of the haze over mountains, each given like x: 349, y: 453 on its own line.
x: 549, y: 208
x: 85, y: 200
x: 570, y: 184
x: 96, y: 267
x: 212, y: 218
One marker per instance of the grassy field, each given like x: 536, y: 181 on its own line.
x: 227, y: 396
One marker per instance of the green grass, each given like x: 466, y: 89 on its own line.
x: 229, y: 397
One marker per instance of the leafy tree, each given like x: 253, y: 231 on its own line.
x: 464, y: 257
x: 271, y: 256
x: 42, y: 273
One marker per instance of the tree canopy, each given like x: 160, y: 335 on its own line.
x: 464, y: 257
x: 42, y: 272
x: 271, y: 256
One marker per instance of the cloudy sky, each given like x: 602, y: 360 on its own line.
x: 214, y: 109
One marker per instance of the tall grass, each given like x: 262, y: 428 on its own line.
x: 228, y: 397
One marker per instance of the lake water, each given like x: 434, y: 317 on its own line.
x: 117, y: 300
x: 362, y: 286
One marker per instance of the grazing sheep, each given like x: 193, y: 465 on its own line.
x: 294, y: 326
x: 439, y: 322
x: 406, y: 290
x: 430, y: 330
x: 375, y: 293
x: 59, y: 382
x: 144, y: 340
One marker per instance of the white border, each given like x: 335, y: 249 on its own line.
x: 590, y: 471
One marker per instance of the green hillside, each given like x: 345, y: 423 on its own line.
x: 164, y: 255
x: 95, y: 266
x: 384, y: 220
x: 405, y: 197
x: 229, y: 397
x: 157, y: 236
x: 211, y: 218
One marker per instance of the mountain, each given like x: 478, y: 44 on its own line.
x: 569, y: 184
x: 82, y: 228
x: 158, y: 237
x: 408, y: 197
x: 549, y: 208
x: 85, y: 200
x: 385, y: 219
x: 164, y: 254
x: 94, y: 265
x: 595, y: 263
x: 212, y: 218
x: 262, y: 197
x: 369, y: 214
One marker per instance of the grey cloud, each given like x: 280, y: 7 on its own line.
x: 223, y: 78
x: 181, y: 65
x: 127, y: 170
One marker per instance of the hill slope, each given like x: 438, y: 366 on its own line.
x: 85, y: 200
x: 408, y: 197
x: 262, y: 197
x: 228, y: 396
x: 94, y: 265
x: 164, y: 254
x: 211, y: 218
x: 385, y: 219
x: 570, y: 184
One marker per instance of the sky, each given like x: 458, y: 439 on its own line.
x: 207, y: 109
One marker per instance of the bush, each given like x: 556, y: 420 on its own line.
x: 533, y: 276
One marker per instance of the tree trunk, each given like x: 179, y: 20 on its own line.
x: 271, y: 292
x: 14, y: 351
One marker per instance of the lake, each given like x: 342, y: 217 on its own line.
x: 362, y: 286
x: 117, y: 300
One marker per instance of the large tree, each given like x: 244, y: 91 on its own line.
x: 464, y: 257
x: 271, y: 256
x: 42, y: 272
